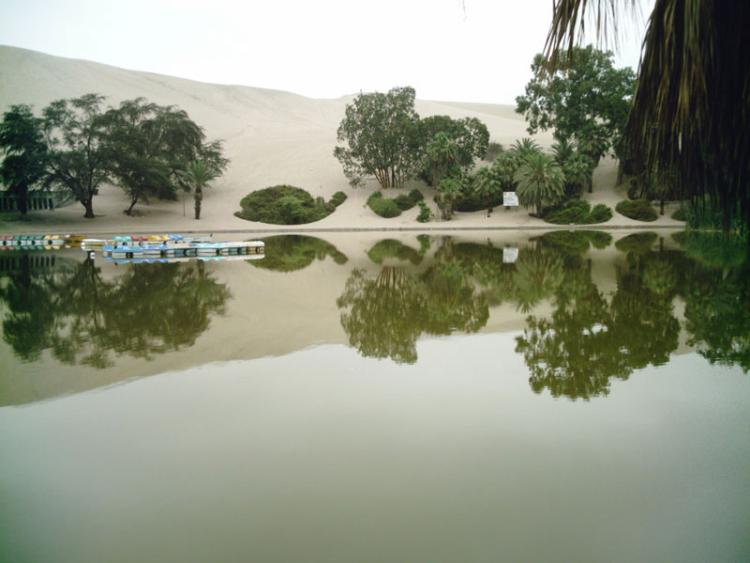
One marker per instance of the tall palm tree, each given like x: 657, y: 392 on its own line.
x: 526, y: 146
x: 540, y: 181
x: 691, y: 111
x: 197, y: 175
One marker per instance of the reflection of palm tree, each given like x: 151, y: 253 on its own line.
x: 538, y: 275
x: 659, y: 277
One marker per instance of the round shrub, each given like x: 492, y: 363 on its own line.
x: 382, y: 206
x: 337, y: 199
x: 578, y: 212
x: 638, y: 209
x: 283, y: 205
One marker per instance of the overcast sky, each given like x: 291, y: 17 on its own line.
x: 476, y: 50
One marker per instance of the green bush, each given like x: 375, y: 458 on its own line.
x: 474, y: 201
x: 578, y: 212
x: 283, y: 205
x: 638, y: 209
x: 407, y: 201
x: 424, y: 213
x: 681, y: 214
x: 392, y: 207
x: 337, y: 199
x: 383, y: 206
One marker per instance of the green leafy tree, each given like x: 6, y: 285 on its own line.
x: 380, y: 133
x: 154, y: 150
x: 469, y: 135
x: 584, y: 99
x: 25, y: 153
x: 76, y: 135
x: 540, y: 182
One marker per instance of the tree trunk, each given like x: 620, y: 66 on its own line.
x: 198, y: 200
x: 129, y: 210
x: 88, y: 204
x: 22, y: 201
x: 620, y: 172
x: 661, y: 207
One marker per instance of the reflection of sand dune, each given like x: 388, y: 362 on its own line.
x: 269, y: 313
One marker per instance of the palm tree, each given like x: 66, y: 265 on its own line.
x: 690, y: 111
x: 197, y: 175
x: 540, y: 181
x: 562, y: 150
x: 525, y: 147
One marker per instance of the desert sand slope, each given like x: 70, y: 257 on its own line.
x: 272, y: 137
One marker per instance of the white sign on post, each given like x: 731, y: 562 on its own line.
x: 510, y: 199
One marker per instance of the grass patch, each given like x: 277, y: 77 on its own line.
x: 578, y: 212
x: 286, y: 205
x: 638, y: 209
x: 392, y: 207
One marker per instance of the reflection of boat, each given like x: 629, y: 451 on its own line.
x: 32, y: 242
x: 156, y: 247
x: 171, y: 260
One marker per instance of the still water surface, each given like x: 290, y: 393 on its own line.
x: 574, y: 396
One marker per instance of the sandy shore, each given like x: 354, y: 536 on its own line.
x: 272, y: 137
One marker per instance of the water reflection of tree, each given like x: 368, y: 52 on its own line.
x: 289, y: 253
x: 717, y: 299
x: 383, y: 317
x: 83, y: 318
x: 30, y: 316
x: 588, y: 341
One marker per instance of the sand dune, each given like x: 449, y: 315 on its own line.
x: 271, y: 136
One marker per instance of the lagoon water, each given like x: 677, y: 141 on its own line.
x: 566, y: 397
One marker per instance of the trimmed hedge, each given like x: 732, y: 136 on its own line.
x: 285, y: 205
x: 638, y: 209
x: 392, y: 207
x: 578, y: 212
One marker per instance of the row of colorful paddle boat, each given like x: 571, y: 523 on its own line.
x: 135, y: 248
